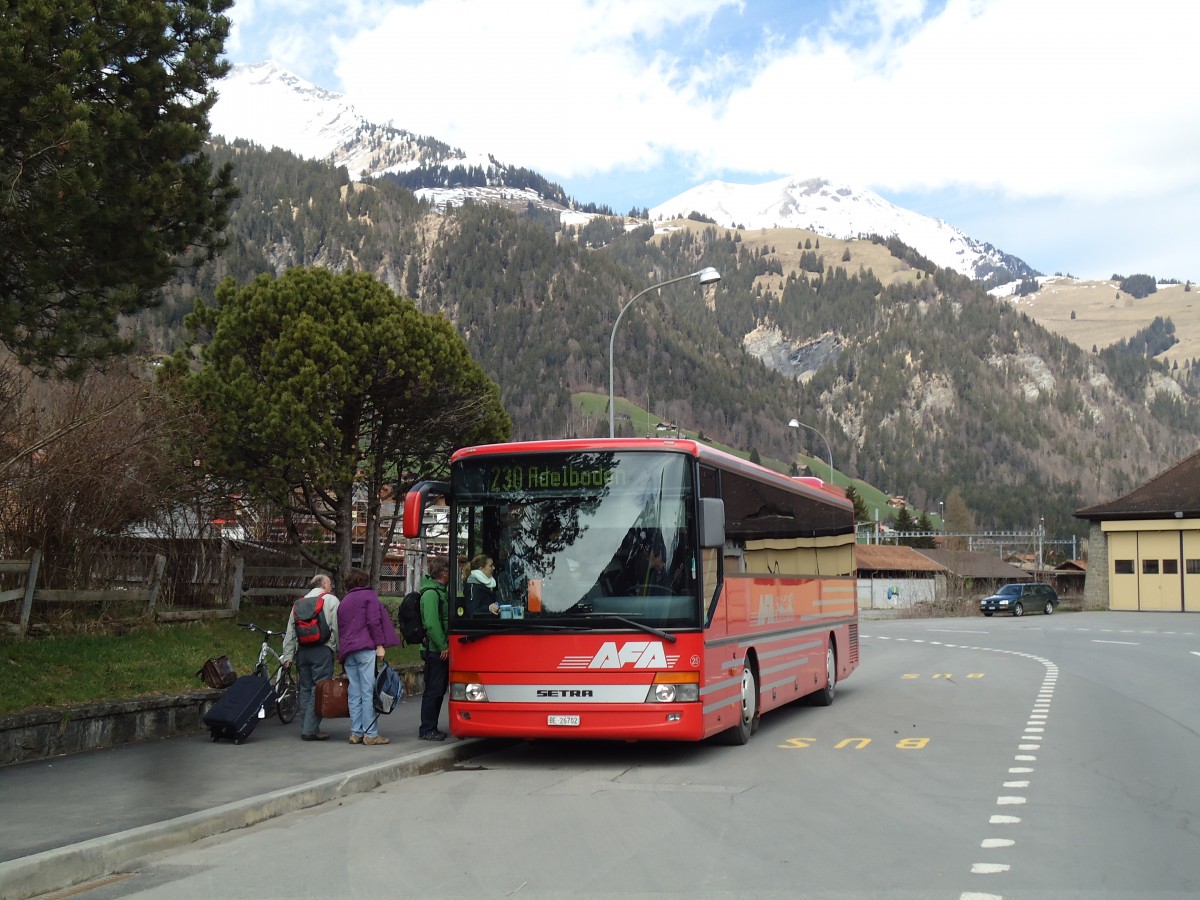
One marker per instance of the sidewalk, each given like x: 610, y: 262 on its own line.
x: 73, y: 818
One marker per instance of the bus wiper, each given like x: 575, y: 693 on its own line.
x: 632, y: 623
x: 469, y: 637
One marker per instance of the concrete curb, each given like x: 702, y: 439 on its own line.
x: 54, y: 870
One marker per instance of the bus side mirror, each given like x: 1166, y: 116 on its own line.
x: 712, y: 522
x: 414, y: 505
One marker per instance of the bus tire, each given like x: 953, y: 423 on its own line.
x: 747, y: 722
x: 824, y: 697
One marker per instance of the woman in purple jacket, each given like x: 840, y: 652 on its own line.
x: 364, y: 632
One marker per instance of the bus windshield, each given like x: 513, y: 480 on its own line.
x: 575, y: 538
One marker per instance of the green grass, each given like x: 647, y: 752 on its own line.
x: 66, y: 670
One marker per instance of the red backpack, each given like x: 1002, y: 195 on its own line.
x: 312, y: 628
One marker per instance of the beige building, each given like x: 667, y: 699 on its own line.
x: 1144, y: 547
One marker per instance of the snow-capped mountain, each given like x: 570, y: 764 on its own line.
x: 841, y: 211
x: 267, y: 104
x: 272, y: 107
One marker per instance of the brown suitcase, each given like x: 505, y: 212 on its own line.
x: 333, y: 698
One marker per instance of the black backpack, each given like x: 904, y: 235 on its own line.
x: 412, y: 626
x: 312, y: 628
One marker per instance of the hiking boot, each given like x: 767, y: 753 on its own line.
x: 377, y: 739
x: 319, y: 736
x: 356, y: 738
x: 433, y: 736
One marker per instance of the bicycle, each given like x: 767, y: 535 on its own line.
x: 286, y: 698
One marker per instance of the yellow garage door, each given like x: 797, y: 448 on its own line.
x: 1191, y: 571
x: 1123, y: 569
x: 1159, y: 583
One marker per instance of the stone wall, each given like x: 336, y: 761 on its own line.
x: 45, y: 733
x: 1095, y: 586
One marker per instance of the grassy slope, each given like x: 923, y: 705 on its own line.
x: 1102, y: 319
x: 71, y: 669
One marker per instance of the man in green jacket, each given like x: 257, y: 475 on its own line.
x: 435, y: 613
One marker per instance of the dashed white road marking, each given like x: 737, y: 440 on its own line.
x: 1126, y: 643
x: 1032, y: 737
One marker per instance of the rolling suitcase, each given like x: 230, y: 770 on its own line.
x: 235, y: 713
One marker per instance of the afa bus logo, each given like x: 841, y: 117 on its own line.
x: 638, y: 654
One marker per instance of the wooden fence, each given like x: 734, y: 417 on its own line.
x: 187, y: 581
x: 144, y: 597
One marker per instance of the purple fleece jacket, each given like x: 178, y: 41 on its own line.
x: 363, y: 623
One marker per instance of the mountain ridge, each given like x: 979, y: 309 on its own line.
x: 265, y: 103
x: 922, y: 383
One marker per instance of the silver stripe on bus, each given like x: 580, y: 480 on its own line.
x: 567, y: 693
x: 771, y: 670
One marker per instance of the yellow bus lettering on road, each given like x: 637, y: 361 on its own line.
x: 862, y: 742
x: 797, y: 743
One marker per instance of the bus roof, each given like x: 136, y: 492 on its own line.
x: 820, y: 491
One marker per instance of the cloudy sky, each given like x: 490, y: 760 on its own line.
x: 1066, y: 132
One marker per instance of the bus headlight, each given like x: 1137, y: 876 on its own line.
x: 668, y: 688
x: 468, y: 688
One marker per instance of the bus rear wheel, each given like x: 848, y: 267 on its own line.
x: 747, y: 722
x: 824, y: 697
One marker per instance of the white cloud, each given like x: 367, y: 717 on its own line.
x: 1030, y: 97
x: 1079, y: 100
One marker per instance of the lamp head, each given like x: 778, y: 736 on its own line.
x: 709, y: 275
x: 795, y: 423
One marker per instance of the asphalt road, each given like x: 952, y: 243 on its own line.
x: 1041, y: 757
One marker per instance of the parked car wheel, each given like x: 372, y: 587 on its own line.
x: 1049, y: 608
x: 1018, y: 609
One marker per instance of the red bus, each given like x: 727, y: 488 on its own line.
x: 645, y: 589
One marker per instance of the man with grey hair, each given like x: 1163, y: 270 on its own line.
x: 314, y: 655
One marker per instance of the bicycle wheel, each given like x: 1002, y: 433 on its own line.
x: 287, y: 699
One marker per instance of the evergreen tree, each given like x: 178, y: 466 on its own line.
x: 926, y: 541
x: 103, y: 115
x: 323, y: 386
x: 860, y: 507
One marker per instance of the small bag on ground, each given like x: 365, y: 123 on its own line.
x: 333, y: 698
x: 217, y: 672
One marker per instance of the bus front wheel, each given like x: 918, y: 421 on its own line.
x: 747, y: 722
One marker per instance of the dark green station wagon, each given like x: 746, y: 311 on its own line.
x: 1019, y: 598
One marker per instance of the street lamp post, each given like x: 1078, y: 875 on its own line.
x: 796, y: 423
x: 707, y: 275
x: 942, y: 513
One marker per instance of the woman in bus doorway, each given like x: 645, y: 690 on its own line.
x: 481, y: 587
